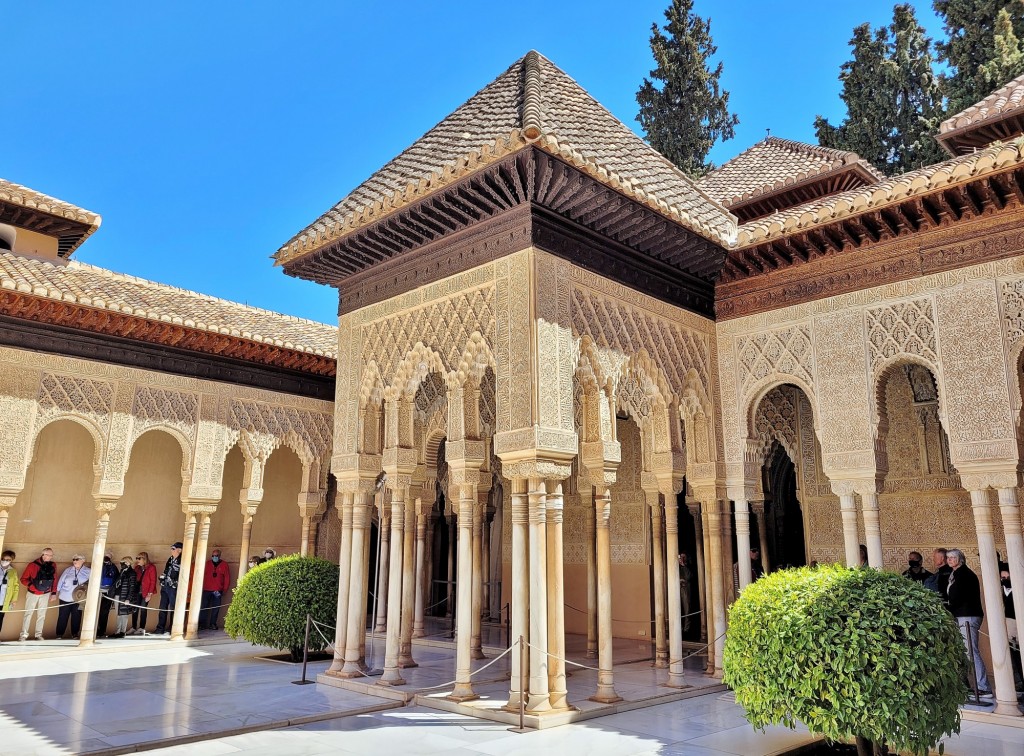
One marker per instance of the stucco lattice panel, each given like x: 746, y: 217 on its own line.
x: 902, y: 328
x: 616, y: 325
x: 574, y: 530
x: 629, y: 507
x: 18, y: 391
x: 776, y: 420
x: 155, y: 406
x: 787, y: 351
x: 843, y: 393
x: 72, y: 395
x: 1013, y: 310
x: 444, y: 325
x: 313, y: 428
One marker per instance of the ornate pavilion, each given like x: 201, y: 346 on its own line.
x: 559, y: 363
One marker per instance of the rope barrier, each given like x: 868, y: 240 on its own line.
x: 641, y: 622
x: 43, y: 608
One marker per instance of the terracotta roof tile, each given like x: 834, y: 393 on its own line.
x: 532, y: 102
x: 922, y: 181
x: 775, y: 164
x: 1004, y: 100
x: 97, y: 287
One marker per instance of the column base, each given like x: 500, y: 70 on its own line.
x: 537, y: 703
x: 177, y: 636
x: 1007, y: 709
x: 606, y: 696
x: 86, y: 642
x: 407, y: 662
x: 417, y: 632
x: 350, y: 670
x: 661, y: 661
x: 463, y: 692
x: 336, y: 666
x: 391, y: 677
x: 513, y: 702
x: 380, y: 629
x: 676, y: 681
x: 476, y: 653
x: 559, y: 701
x: 591, y: 653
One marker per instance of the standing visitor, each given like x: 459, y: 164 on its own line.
x: 72, y: 577
x: 108, y: 574
x: 863, y: 555
x: 40, y: 578
x: 126, y: 592
x: 940, y: 578
x: 9, y: 586
x: 685, y: 576
x: 216, y: 579
x: 964, y: 593
x: 145, y: 571
x: 169, y: 589
x: 268, y: 554
x: 914, y: 570
x: 254, y: 561
x: 1011, y: 625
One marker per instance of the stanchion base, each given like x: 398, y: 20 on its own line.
x: 303, y: 682
x: 519, y: 729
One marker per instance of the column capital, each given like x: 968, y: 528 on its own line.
x: 981, y: 475
x: 8, y: 497
x: 104, y: 504
x: 199, y: 506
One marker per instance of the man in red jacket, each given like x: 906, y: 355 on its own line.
x: 40, y: 578
x: 216, y: 580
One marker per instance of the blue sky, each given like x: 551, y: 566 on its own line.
x: 206, y: 134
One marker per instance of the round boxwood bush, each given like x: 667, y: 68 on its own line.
x: 271, y: 602
x: 852, y: 653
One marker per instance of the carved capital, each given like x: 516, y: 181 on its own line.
x: 199, y: 506
x: 105, y: 505
x: 997, y: 474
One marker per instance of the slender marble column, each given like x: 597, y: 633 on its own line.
x: 428, y: 577
x: 1010, y: 510
x: 675, y: 620
x: 188, y: 547
x: 872, y: 528
x: 392, y: 671
x: 248, y: 513
x: 421, y: 583
x: 192, y: 627
x: 992, y: 593
x: 658, y: 563
x: 344, y: 569
x: 718, y: 582
x: 355, y: 630
x: 485, y: 561
x: 605, y: 675
x: 304, y: 536
x: 710, y: 600
x: 449, y: 608
x: 698, y: 528
x: 463, y: 690
x: 476, y: 600
x: 590, y: 535
x: 848, y: 509
x: 408, y: 583
x: 728, y: 559
x: 383, y: 565
x: 539, y: 698
x: 364, y: 587
x: 554, y: 506
x: 520, y: 609
x: 92, y: 595
x: 743, y: 543
x: 762, y: 534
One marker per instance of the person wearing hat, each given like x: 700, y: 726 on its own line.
x: 108, y: 574
x: 126, y: 592
x: 169, y: 589
x: 70, y: 610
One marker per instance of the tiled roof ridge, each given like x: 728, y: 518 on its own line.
x: 116, y: 302
x: 1007, y: 98
x: 25, y: 197
x: 531, y: 128
x: 959, y: 169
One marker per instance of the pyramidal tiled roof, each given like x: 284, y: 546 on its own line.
x: 1006, y: 99
x: 533, y: 102
x: 73, y: 281
x: 775, y: 164
x: 22, y: 196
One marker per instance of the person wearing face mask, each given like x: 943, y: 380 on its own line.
x: 268, y: 554
x: 1011, y: 626
x: 108, y: 574
x: 216, y: 579
x: 126, y: 593
x: 9, y: 586
x: 145, y: 571
x: 255, y: 561
x: 915, y: 571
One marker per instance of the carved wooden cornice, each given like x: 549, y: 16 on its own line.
x: 962, y: 225
x: 527, y: 198
x: 64, y: 319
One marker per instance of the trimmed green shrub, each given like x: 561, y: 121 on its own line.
x: 851, y: 653
x: 272, y: 599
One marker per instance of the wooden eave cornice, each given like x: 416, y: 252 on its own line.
x: 70, y: 233
x: 807, y: 190
x: 856, y: 251
x: 976, y: 136
x: 404, y: 249
x: 28, y: 307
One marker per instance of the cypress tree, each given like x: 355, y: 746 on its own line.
x: 684, y: 110
x: 971, y: 50
x: 892, y: 96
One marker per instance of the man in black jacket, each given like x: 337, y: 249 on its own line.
x: 964, y: 594
x: 940, y: 578
x: 169, y: 590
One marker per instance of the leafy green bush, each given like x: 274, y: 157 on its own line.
x: 271, y: 602
x: 857, y: 654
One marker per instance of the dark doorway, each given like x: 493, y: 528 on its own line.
x: 784, y: 520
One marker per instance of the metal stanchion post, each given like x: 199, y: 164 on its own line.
x: 522, y: 687
x: 508, y: 626
x: 305, y: 657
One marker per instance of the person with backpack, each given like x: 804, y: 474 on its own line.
x: 126, y: 593
x: 40, y: 578
x: 108, y: 574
